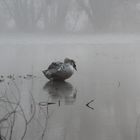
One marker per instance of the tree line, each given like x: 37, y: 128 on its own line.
x: 69, y: 15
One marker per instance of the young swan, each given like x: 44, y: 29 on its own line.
x: 60, y: 71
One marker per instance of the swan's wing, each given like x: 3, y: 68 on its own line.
x: 53, y: 70
x: 55, y: 66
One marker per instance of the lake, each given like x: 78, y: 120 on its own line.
x: 101, y: 101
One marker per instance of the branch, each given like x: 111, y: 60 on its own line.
x: 89, y: 104
x: 8, y: 8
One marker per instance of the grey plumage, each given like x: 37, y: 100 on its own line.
x: 59, y: 70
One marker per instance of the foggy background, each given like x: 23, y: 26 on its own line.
x: 70, y: 16
x: 101, y: 101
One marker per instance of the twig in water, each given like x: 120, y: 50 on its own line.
x: 46, y: 103
x: 119, y: 84
x: 59, y: 102
x: 88, y: 104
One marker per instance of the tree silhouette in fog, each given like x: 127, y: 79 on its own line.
x: 72, y: 15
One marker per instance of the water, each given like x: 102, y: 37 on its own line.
x: 101, y: 101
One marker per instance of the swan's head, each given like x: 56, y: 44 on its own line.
x: 70, y: 61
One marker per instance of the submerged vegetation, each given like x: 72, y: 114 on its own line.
x: 17, y: 112
x: 11, y: 109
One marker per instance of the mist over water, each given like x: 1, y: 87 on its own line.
x: 100, y: 101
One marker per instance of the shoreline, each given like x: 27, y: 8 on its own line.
x: 15, y: 39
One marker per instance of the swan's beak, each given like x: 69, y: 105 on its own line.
x: 72, y: 62
x: 75, y: 68
x: 44, y: 71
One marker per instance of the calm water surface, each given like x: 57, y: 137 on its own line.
x: 101, y: 101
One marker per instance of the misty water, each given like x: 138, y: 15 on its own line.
x: 101, y: 101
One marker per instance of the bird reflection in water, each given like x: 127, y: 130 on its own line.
x: 61, y: 91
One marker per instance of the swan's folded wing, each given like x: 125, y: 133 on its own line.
x: 53, y: 70
x: 55, y: 65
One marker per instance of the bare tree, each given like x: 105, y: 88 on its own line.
x: 54, y: 13
x: 25, y: 13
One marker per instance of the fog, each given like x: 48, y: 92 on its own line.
x: 70, y: 16
x: 101, y: 100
